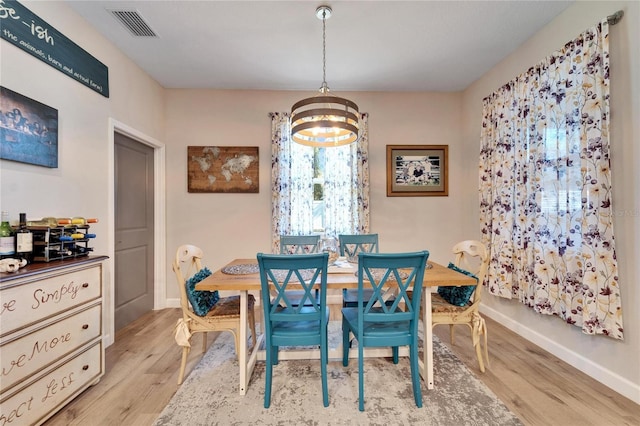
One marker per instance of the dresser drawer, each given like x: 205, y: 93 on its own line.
x: 27, y: 303
x: 32, y: 352
x: 39, y: 400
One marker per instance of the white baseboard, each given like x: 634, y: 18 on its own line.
x: 596, y: 371
x: 173, y: 303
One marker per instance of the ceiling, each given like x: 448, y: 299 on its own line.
x: 277, y: 45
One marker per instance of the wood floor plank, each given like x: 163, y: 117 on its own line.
x: 142, y: 372
x: 540, y: 388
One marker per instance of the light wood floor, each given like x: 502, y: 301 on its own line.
x: 142, y: 371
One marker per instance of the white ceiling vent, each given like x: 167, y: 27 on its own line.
x: 135, y: 23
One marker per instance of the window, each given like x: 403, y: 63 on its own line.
x: 318, y: 190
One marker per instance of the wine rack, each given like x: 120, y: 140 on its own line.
x: 60, y: 242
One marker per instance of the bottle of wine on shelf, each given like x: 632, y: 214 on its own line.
x: 64, y: 221
x: 24, y: 240
x: 7, y: 238
x: 82, y: 221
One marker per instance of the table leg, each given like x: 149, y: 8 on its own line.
x: 427, y: 364
x: 247, y: 361
x: 242, y: 355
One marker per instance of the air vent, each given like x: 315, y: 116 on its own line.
x: 135, y: 23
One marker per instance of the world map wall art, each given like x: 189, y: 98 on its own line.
x: 225, y: 169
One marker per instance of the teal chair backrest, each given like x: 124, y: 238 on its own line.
x: 399, y: 275
x: 352, y: 245
x: 299, y: 244
x: 280, y: 273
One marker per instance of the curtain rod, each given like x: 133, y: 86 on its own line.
x: 615, y: 18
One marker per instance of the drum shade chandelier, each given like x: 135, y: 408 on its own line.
x: 324, y: 120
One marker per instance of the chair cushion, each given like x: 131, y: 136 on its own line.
x: 441, y: 306
x: 229, y: 307
x: 201, y: 301
x: 460, y: 295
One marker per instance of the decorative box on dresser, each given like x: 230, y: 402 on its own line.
x: 50, y: 337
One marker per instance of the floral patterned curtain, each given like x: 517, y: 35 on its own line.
x: 545, y: 188
x: 346, y: 184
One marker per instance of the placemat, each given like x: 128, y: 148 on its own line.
x: 379, y: 272
x: 281, y: 274
x: 241, y: 269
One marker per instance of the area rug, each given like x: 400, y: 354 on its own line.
x: 209, y: 395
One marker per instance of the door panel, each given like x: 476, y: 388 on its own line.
x: 134, y: 279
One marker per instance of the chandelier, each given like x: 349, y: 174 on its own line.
x: 324, y: 120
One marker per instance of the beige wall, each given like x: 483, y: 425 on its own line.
x: 238, y: 225
x: 82, y: 183
x: 615, y: 363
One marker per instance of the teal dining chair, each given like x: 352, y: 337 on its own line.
x: 299, y: 244
x: 350, y: 246
x: 375, y: 323
x: 294, y: 324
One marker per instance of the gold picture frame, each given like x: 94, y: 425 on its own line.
x: 223, y: 169
x: 417, y: 170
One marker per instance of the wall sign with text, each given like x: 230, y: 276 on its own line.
x: 25, y: 30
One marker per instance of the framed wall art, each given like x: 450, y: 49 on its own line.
x: 226, y: 169
x: 417, y: 170
x: 28, y: 130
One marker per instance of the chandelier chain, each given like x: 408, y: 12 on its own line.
x: 324, y: 50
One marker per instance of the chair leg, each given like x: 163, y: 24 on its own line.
x: 252, y: 325
x: 323, y: 370
x: 415, y: 373
x: 394, y: 350
x: 183, y: 363
x: 480, y: 328
x: 204, y: 342
x: 268, y: 370
x: 236, y: 342
x: 451, y: 337
x: 486, y: 348
x: 360, y: 377
x: 345, y: 343
x: 479, y: 356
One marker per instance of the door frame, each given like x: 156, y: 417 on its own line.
x: 159, y: 221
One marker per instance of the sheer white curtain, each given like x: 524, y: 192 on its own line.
x: 545, y: 188
x: 346, y: 186
x: 346, y: 191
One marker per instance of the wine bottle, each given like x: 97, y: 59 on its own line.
x: 82, y: 221
x: 24, y: 240
x: 7, y: 238
x: 64, y: 221
x: 52, y: 253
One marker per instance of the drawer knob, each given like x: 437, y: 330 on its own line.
x: 85, y: 367
x: 85, y: 285
x: 85, y: 326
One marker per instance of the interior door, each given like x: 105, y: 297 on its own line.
x: 134, y: 269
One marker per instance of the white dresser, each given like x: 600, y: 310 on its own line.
x: 50, y: 337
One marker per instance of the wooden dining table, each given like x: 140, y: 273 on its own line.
x: 241, y: 276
